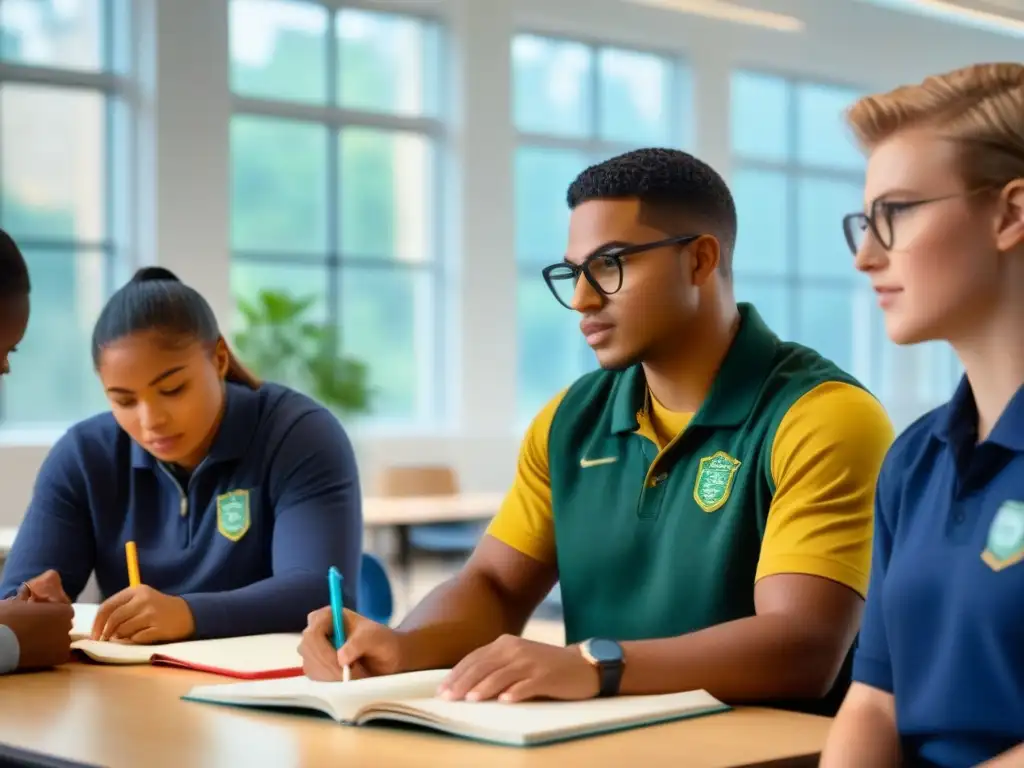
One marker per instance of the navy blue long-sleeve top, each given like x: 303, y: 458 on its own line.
x: 247, y: 539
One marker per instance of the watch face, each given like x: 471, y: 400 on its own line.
x: 605, y: 651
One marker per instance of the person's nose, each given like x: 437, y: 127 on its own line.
x: 870, y: 257
x: 152, y: 417
x: 585, y: 297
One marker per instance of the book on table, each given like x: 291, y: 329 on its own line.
x: 410, y: 698
x: 256, y: 657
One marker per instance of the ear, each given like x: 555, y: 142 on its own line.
x: 1010, y: 227
x: 706, y: 253
x: 221, y: 358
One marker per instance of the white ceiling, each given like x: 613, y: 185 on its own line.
x: 991, y: 14
x: 1012, y: 8
x: 1006, y: 16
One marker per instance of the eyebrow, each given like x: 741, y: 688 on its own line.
x: 169, y: 372
x: 897, y: 192
x: 617, y: 244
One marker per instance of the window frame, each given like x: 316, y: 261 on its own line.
x: 865, y: 355
x: 113, y: 83
x: 592, y: 145
x: 433, y: 408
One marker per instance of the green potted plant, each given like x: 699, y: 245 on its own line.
x: 279, y: 342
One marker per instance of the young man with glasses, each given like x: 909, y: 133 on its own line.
x: 704, y: 500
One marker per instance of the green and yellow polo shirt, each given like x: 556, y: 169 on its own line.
x: 660, y: 523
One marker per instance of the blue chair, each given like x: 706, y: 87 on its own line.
x: 447, y: 539
x: 376, y: 600
x: 450, y: 541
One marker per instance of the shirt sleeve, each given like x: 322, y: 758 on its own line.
x: 525, y: 520
x: 825, y: 460
x: 57, y: 530
x: 318, y: 522
x: 10, y: 651
x: 871, y: 662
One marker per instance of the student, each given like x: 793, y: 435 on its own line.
x: 704, y: 500
x: 31, y: 634
x: 238, y: 495
x: 939, y: 671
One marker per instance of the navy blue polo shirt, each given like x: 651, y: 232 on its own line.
x: 247, y: 539
x: 943, y: 629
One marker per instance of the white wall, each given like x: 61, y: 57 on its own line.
x: 183, y: 184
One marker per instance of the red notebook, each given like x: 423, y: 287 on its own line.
x: 258, y: 657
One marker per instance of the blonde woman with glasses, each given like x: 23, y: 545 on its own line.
x: 939, y: 671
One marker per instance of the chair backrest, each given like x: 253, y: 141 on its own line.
x: 376, y: 600
x: 419, y: 480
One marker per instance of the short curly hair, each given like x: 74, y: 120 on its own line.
x: 13, y: 269
x: 675, y: 190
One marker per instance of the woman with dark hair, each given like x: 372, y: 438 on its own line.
x: 32, y: 634
x: 238, y: 496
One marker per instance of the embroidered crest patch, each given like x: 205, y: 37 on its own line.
x: 715, y: 476
x: 233, y: 514
x: 1005, y: 544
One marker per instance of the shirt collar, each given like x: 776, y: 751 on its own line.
x: 957, y: 423
x: 733, y: 392
x: 234, y: 435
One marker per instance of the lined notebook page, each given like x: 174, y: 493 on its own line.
x: 344, y: 699
x: 540, y: 718
x: 244, y: 655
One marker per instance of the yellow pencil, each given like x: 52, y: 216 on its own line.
x: 132, y: 555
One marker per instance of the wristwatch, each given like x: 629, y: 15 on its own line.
x: 606, y: 655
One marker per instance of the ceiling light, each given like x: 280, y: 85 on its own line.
x: 731, y: 12
x: 959, y: 14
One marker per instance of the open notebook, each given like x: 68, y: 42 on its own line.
x: 410, y: 698
x: 259, y: 657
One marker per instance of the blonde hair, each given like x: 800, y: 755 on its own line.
x: 980, y: 107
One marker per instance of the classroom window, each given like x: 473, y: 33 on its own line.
x: 336, y: 176
x: 796, y: 172
x: 574, y: 104
x: 65, y: 150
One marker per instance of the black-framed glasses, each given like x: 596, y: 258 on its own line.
x: 879, y: 220
x: 602, y: 269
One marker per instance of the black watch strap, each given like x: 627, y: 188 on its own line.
x: 611, y: 678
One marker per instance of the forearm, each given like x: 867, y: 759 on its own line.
x: 278, y: 604
x: 761, y: 657
x: 1013, y: 758
x: 462, y: 614
x: 39, y: 549
x: 862, y: 735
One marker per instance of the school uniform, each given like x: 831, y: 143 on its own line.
x: 661, y: 523
x: 943, y: 629
x: 246, y: 539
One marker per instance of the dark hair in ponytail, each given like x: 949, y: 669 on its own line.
x: 156, y: 300
x: 14, y: 280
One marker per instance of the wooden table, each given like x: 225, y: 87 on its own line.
x: 127, y: 717
x: 423, y: 510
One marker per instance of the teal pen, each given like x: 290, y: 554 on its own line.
x: 334, y: 584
